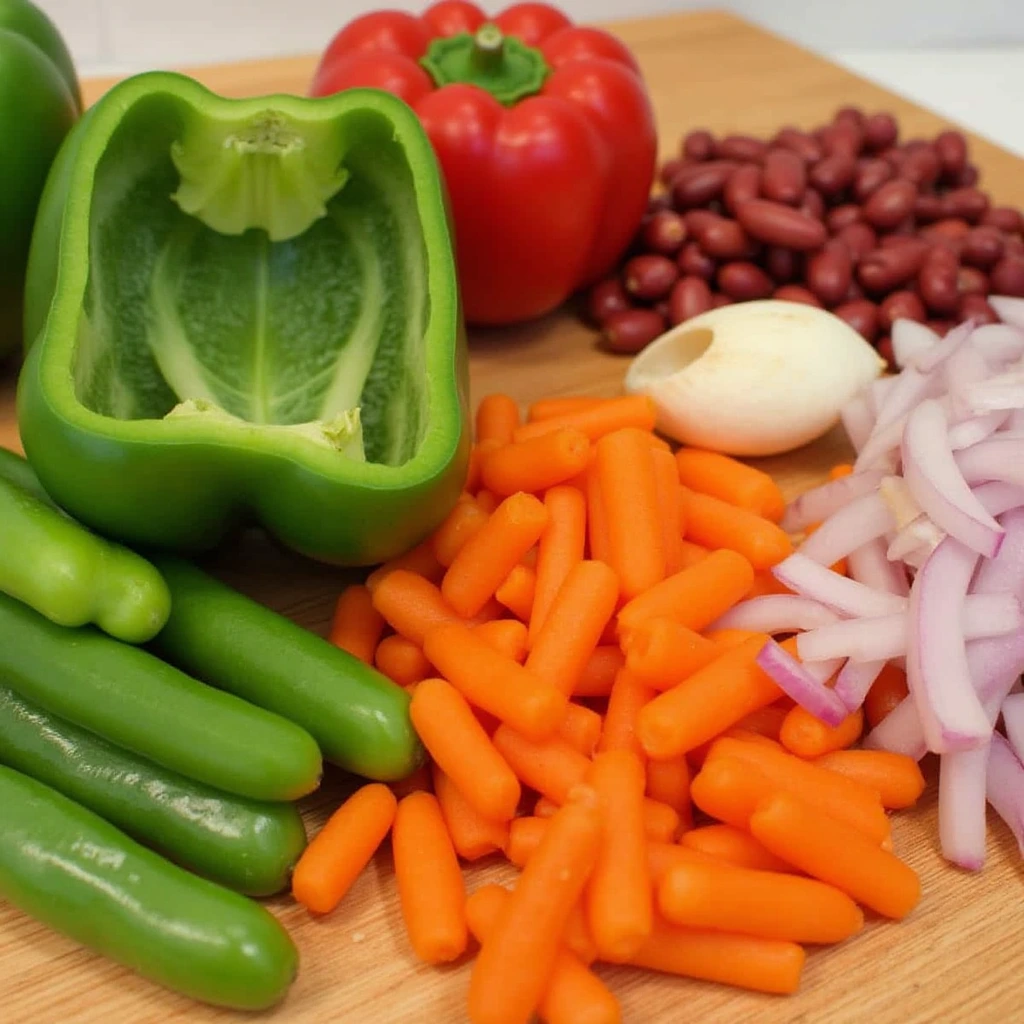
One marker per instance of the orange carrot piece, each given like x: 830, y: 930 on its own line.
x: 561, y: 547
x: 629, y: 491
x: 762, y: 965
x: 465, y: 520
x: 477, y: 454
x: 733, y: 846
x: 696, y: 596
x: 430, y: 887
x: 764, y: 584
x: 535, y: 464
x: 896, y: 777
x: 765, y: 721
x: 599, y: 673
x: 487, y: 558
x: 598, y: 540
x: 836, y: 853
x: 661, y: 822
x: 573, y: 993
x: 662, y: 652
x: 552, y: 767
x: 628, y: 697
x: 546, y: 408
x: 662, y: 857
x: 524, y: 836
x: 357, y: 625
x: 420, y: 560
x: 517, y: 592
x: 619, y: 899
x: 690, y: 553
x: 581, y: 728
x: 887, y: 692
x: 497, y: 417
x: 717, y: 524
x: 495, y: 683
x: 710, y: 701
x: 515, y: 961
x: 458, y: 744
x: 487, y: 500
x: 763, y: 904
x: 668, y: 782
x: 726, y: 638
x: 473, y: 835
x: 338, y: 853
x: 572, y: 629
x: 670, y: 509
x: 632, y: 411
x: 838, y: 471
x: 508, y: 636
x: 401, y: 660
x: 806, y: 736
x: 411, y: 605
x: 730, y: 480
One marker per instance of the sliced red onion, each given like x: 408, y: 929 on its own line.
x: 776, y: 613
x: 997, y: 498
x: 995, y: 394
x: 971, y: 431
x: 878, y: 391
x: 899, y: 732
x: 817, y: 504
x: 1005, y: 787
x: 1015, y: 423
x: 868, y: 565
x: 932, y: 358
x: 1013, y: 719
x: 858, y: 420
x: 938, y: 674
x: 965, y: 369
x: 854, y: 525
x: 1009, y: 309
x: 1004, y: 574
x: 910, y: 340
x: 881, y: 451
x: 854, y: 681
x: 797, y: 683
x: 809, y: 578
x: 962, y: 783
x: 938, y: 486
x: 823, y: 671
x: 999, y: 458
x: 1000, y: 344
x: 915, y: 542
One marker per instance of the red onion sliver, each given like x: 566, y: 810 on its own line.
x: 915, y: 542
x: 932, y: 358
x: 962, y: 783
x: 909, y: 340
x: 795, y: 681
x: 851, y: 527
x: 964, y: 369
x: 817, y: 504
x: 1013, y: 719
x: 999, y: 458
x: 971, y: 431
x: 869, y: 565
x: 993, y: 395
x: 1004, y: 573
x: 938, y: 486
x: 1000, y: 344
x: 776, y: 613
x: 858, y: 421
x: 997, y: 498
x: 854, y: 681
x: 809, y: 578
x: 882, y: 449
x: 1005, y: 787
x: 823, y: 671
x: 1009, y: 308
x: 878, y: 389
x: 899, y: 732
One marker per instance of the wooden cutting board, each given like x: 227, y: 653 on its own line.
x: 953, y: 960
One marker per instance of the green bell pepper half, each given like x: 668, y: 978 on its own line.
x: 246, y: 311
x: 39, y: 103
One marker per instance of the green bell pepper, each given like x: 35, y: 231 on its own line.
x: 39, y: 102
x: 246, y: 311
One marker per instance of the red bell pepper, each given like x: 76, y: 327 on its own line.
x: 544, y: 132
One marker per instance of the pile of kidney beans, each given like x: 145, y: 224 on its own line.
x: 845, y: 217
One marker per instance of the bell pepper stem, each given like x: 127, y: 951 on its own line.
x: 488, y: 52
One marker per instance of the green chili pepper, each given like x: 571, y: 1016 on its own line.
x: 244, y: 844
x: 135, y: 700
x: 246, y: 311
x: 79, y: 875
x: 73, y: 577
x: 358, y: 716
x: 15, y: 469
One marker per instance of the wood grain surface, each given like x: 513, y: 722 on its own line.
x: 954, y: 960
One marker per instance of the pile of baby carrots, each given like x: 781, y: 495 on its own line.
x: 581, y: 709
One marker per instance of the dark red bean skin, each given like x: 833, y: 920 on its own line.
x: 649, y: 276
x: 692, y: 261
x: 607, y: 297
x: 690, y: 297
x: 976, y: 307
x: 796, y: 293
x: 698, y: 145
x: 665, y: 232
x: 861, y: 315
x: 630, y: 331
x: 744, y: 281
x: 1007, y: 277
x: 904, y: 305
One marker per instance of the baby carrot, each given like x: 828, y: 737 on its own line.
x: 497, y: 417
x: 507, y: 636
x: 619, y: 898
x: 411, y: 605
x: 517, y: 592
x: 629, y: 491
x: 492, y: 553
x: 726, y: 638
x: 572, y: 629
x: 896, y: 777
x: 806, y: 736
x: 598, y: 541
x: 420, y: 560
x: 477, y: 454
x: 661, y: 822
x: 731, y: 481
x: 733, y: 846
x: 573, y: 994
x: 535, y: 464
x: 886, y: 693
x: 429, y: 880
x: 401, y: 660
x: 458, y: 744
x: 707, y: 703
x: 729, y: 790
x: 487, y: 500
x: 763, y: 904
x: 343, y: 847
x: 464, y: 521
x: 561, y: 548
x: 690, y: 553
x: 765, y: 721
x: 670, y: 509
x: 524, y: 836
x: 663, y: 652
x: 551, y: 767
x: 663, y: 857
x: 717, y: 524
x: 629, y: 695
x: 631, y: 411
x: 764, y: 584
x: 545, y: 408
x: 762, y: 965
x: 516, y: 958
x: 836, y: 853
x: 599, y: 673
x: 473, y: 835
x: 494, y: 682
x: 357, y: 625
x: 668, y: 782
x: 581, y: 728
x: 696, y: 596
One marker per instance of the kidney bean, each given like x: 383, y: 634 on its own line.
x: 698, y: 184
x: 782, y: 264
x: 951, y: 148
x: 741, y: 147
x: 775, y: 224
x: 785, y: 177
x: 861, y: 315
x: 744, y: 183
x: 697, y: 220
x: 692, y: 261
x: 902, y: 305
x: 880, y: 132
x: 885, y: 269
x: 859, y: 239
x: 804, y: 145
x: 871, y: 174
x: 928, y: 208
x: 1014, y: 245
x: 606, y: 297
x: 665, y: 232
x: 1006, y: 218
x: 968, y: 177
x: 842, y: 138
x: 982, y: 247
x: 890, y: 204
x: 670, y: 170
x: 976, y: 307
x: 937, y: 284
x: 1007, y: 277
x: 690, y: 296
x: 971, y: 281
x: 698, y: 145
x: 661, y: 308
x: 947, y: 230
x: 796, y: 293
x: 883, y: 346
x: 849, y: 115
x: 655, y: 204
x: 920, y: 165
x: 724, y: 239
x: 831, y: 175
x: 743, y: 281
x: 941, y: 327
x: 649, y: 276
x: 813, y: 204
x: 840, y: 217
x: 829, y: 273
x: 966, y: 203
x: 854, y: 293
x: 718, y: 300
x: 628, y: 331
x: 901, y: 240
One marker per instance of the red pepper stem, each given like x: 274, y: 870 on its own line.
x: 488, y: 52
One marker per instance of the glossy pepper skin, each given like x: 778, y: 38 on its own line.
x: 544, y: 131
x: 39, y: 103
x: 246, y: 312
